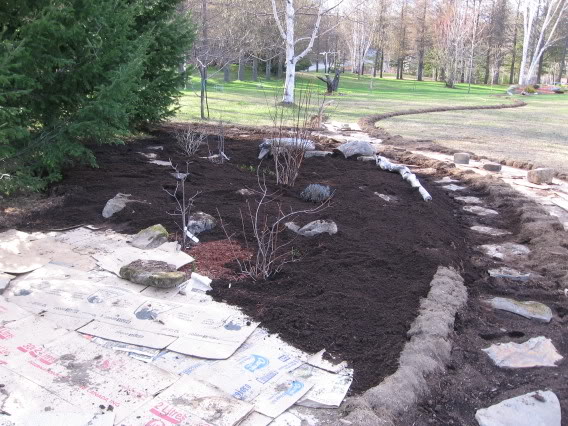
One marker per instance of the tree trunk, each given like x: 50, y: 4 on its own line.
x: 514, y: 49
x: 227, y: 73
x: 420, y: 72
x: 280, y: 69
x: 203, y: 75
x: 332, y: 85
x: 241, y: 72
x: 539, y: 72
x: 487, y: 63
x: 254, y: 69
x: 563, y: 62
x: 268, y: 72
x: 376, y: 63
x: 382, y: 63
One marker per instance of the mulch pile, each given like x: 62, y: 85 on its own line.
x: 355, y: 293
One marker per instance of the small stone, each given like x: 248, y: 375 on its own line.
x: 492, y: 167
x: 358, y: 148
x: 535, y: 408
x: 246, y: 192
x: 529, y: 309
x: 154, y: 273
x: 151, y: 237
x: 5, y: 280
x: 509, y: 273
x: 446, y: 179
x: 314, y: 228
x: 480, y: 211
x: 161, y: 163
x: 313, y: 154
x: 367, y: 158
x: 495, y: 232
x: 115, y: 204
x: 385, y: 197
x: 200, y: 222
x: 179, y: 176
x: 535, y: 352
x: 469, y: 200
x: 453, y: 187
x: 540, y: 176
x: 505, y: 250
x: 461, y: 158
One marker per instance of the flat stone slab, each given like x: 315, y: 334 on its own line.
x: 540, y: 408
x: 509, y: 273
x: 453, y: 187
x: 151, y: 237
x: 535, y: 352
x: 505, y: 250
x: 487, y: 230
x: 446, y: 179
x: 480, y: 211
x: 531, y: 310
x: 461, y: 158
x: 469, y: 200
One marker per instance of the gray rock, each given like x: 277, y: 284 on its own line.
x: 352, y: 148
x: 116, y: 204
x: 314, y: 228
x: 268, y: 145
x: 505, y: 250
x: 161, y: 163
x: 492, y: 167
x: 540, y: 176
x: 387, y: 198
x: 529, y: 309
x: 179, y: 176
x: 469, y: 200
x: 446, y: 179
x: 151, y: 237
x: 316, y: 193
x: 367, y: 158
x: 313, y: 154
x: 200, y: 222
x: 480, y: 211
x: 5, y: 280
x: 154, y: 273
x: 246, y: 192
x: 535, y: 352
x: 540, y: 408
x: 509, y: 273
x: 453, y: 187
x: 494, y: 232
x: 461, y: 158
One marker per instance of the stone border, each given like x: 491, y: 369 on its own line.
x: 427, y: 353
x: 368, y: 125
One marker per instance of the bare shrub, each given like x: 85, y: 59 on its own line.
x: 184, y: 204
x: 271, y: 252
x: 189, y: 141
x: 219, y: 157
x: 316, y: 193
x: 291, y: 130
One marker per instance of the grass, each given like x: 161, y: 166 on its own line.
x: 536, y: 133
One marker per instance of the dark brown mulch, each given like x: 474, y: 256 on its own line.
x: 355, y: 293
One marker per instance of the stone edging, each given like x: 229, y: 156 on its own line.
x: 427, y: 353
x: 368, y: 125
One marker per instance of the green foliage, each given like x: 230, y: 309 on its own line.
x: 530, y: 89
x: 303, y: 64
x: 78, y: 72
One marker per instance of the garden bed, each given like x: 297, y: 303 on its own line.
x: 354, y: 293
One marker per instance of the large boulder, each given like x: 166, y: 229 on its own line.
x: 200, y: 222
x: 151, y: 237
x: 540, y: 176
x: 356, y: 148
x: 268, y: 145
x: 116, y: 204
x: 153, y: 273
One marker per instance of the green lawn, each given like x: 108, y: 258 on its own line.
x: 537, y: 132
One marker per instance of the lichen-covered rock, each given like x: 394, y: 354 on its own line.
x: 314, y: 228
x: 200, y: 222
x: 269, y: 145
x: 154, y: 273
x: 316, y: 193
x: 151, y: 237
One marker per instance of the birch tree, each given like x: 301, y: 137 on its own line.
x: 287, y: 32
x: 537, y: 40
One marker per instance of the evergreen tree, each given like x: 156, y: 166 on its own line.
x: 75, y: 72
